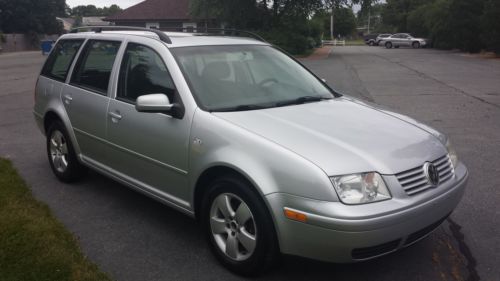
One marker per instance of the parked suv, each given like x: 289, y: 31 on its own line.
x: 244, y: 138
x: 403, y: 39
x: 370, y: 39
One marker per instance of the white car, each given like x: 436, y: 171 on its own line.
x: 403, y: 39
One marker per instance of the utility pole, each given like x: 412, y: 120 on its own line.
x: 331, y: 24
x: 369, y: 18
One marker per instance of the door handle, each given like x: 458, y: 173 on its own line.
x: 67, y: 99
x: 115, y: 116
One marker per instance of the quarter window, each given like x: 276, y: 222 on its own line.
x: 60, y: 59
x: 94, y: 67
x: 143, y: 72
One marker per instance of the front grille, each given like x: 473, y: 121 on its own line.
x: 371, y: 252
x: 415, y: 236
x: 414, y: 180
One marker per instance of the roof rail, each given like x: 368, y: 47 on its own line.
x: 214, y: 31
x: 98, y: 29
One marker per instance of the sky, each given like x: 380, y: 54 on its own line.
x: 103, y: 3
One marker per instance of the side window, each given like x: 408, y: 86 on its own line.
x: 93, y: 69
x: 143, y: 72
x: 60, y: 59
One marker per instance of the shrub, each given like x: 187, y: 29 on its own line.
x: 491, y: 26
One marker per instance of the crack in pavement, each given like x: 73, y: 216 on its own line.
x: 465, y: 250
x: 354, y: 73
x: 425, y: 76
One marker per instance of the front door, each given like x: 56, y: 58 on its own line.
x: 148, y: 149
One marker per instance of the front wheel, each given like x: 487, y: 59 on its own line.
x: 238, y: 227
x: 415, y: 45
x: 388, y: 45
x: 372, y: 43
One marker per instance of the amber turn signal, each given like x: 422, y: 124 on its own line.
x: 294, y: 215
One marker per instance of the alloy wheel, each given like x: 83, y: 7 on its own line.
x: 233, y: 226
x: 59, y: 151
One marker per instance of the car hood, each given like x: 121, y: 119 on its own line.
x: 342, y: 136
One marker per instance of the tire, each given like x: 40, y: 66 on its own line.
x: 371, y: 43
x: 388, y: 45
x: 61, y: 154
x: 415, y: 45
x: 222, y: 227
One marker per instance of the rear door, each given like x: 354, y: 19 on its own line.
x: 86, y: 97
x: 55, y: 72
x: 148, y: 149
x: 405, y: 40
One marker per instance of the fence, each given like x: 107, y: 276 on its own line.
x: 22, y: 42
x: 333, y: 42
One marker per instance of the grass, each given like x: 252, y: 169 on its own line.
x: 358, y: 42
x: 33, y: 244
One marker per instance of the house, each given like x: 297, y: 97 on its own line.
x: 160, y: 14
x: 94, y: 21
x: 67, y: 23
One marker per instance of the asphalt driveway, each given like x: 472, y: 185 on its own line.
x: 135, y: 238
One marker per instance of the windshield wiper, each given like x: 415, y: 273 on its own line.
x: 301, y: 100
x: 243, y: 107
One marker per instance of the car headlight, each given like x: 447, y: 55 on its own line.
x: 452, y: 154
x: 361, y: 188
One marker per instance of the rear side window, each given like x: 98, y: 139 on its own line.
x: 60, y: 59
x: 94, y: 66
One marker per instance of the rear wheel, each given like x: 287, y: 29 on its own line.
x: 62, y: 157
x: 372, y: 43
x: 238, y: 227
x: 388, y: 45
x: 415, y: 45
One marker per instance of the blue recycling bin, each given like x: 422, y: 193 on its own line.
x: 46, y: 46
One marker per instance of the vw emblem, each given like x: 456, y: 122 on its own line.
x: 432, y: 174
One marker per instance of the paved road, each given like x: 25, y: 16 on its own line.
x: 135, y: 238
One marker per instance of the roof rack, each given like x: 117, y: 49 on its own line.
x: 215, y: 31
x: 164, y: 37
x: 98, y: 29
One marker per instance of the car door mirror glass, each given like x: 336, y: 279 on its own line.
x: 154, y: 103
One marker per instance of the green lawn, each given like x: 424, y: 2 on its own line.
x: 358, y: 42
x: 33, y: 244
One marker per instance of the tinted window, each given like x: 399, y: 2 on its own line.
x: 59, y: 61
x: 94, y: 66
x: 143, y: 72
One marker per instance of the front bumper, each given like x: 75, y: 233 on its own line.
x: 353, y: 236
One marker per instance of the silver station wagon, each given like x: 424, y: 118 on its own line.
x: 239, y: 135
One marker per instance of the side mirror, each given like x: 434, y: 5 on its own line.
x: 154, y: 103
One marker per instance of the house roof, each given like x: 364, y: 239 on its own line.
x: 155, y: 10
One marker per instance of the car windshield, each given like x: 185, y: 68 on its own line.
x: 241, y: 77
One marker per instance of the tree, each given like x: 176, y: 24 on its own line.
x: 396, y: 12
x: 491, y: 25
x: 31, y: 16
x: 93, y: 11
x: 465, y: 22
